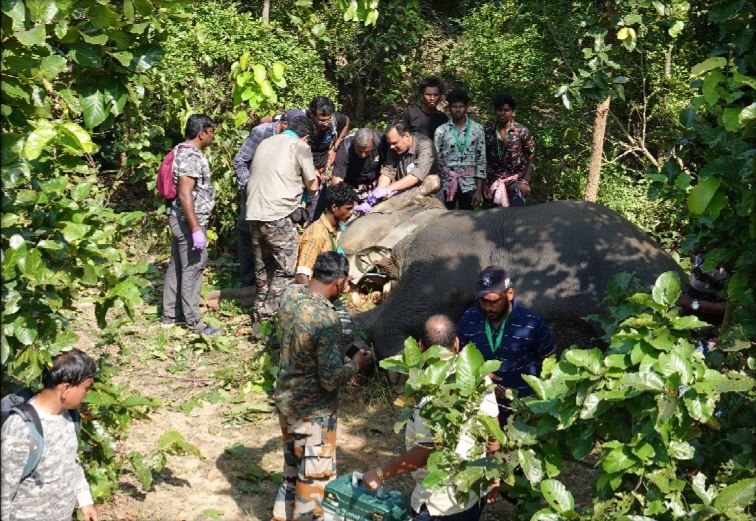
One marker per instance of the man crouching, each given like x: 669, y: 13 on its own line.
x: 312, y: 370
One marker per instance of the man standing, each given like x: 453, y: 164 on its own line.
x: 188, y: 216
x: 311, y: 372
x: 359, y: 160
x: 442, y: 503
x: 461, y: 147
x: 281, y: 170
x: 426, y: 118
x: 412, y: 159
x: 242, y: 164
x: 323, y: 234
x: 330, y: 129
x: 510, y: 154
x: 503, y: 329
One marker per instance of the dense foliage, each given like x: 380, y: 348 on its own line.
x: 665, y: 426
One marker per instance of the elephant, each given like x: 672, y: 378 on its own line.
x: 560, y: 256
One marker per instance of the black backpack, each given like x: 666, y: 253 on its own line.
x: 18, y: 403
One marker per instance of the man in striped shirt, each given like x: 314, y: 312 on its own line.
x: 505, y: 330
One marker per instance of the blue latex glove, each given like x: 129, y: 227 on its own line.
x: 365, y: 208
x: 377, y: 194
x: 199, y: 241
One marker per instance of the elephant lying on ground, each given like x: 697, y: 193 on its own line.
x: 560, y: 256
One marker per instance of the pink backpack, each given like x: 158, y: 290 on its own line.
x: 164, y: 182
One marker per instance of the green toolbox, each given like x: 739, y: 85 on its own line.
x: 348, y: 499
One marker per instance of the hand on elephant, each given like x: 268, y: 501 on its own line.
x: 377, y: 194
x: 364, y: 208
x: 363, y: 358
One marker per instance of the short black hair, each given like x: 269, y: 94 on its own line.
x: 458, y: 96
x: 431, y: 81
x: 321, y: 105
x: 330, y: 266
x: 71, y: 367
x: 339, y: 195
x: 301, y: 126
x: 399, y: 125
x: 503, y: 98
x: 196, y: 124
x: 441, y: 333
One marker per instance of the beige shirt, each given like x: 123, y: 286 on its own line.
x: 281, y: 167
x: 442, y: 501
x: 419, y: 160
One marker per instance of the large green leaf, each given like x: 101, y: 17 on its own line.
x: 81, y: 137
x: 645, y: 381
x: 53, y: 65
x: 34, y: 36
x: 530, y: 464
x: 93, y: 107
x: 707, y: 65
x: 738, y: 495
x: 702, y: 194
x: 666, y: 289
x: 469, y: 362
x: 15, y: 9
x: 588, y: 358
x: 618, y: 459
x: 698, y: 484
x: 557, y: 495
x: 412, y: 354
x: 731, y: 119
x: 42, y: 10
x: 103, y: 16
x: 670, y: 363
x: 43, y: 133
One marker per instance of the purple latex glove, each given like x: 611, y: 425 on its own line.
x: 377, y: 194
x: 365, y: 208
x: 199, y: 241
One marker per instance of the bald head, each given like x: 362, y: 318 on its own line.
x: 440, y: 330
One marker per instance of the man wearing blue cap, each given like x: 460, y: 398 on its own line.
x: 505, y: 330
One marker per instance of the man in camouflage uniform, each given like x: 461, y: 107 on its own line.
x: 188, y: 216
x: 311, y: 371
x: 281, y: 171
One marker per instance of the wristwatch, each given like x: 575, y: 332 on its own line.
x: 695, y: 305
x: 379, y: 473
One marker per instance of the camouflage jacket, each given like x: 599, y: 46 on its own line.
x: 192, y: 162
x: 312, y: 367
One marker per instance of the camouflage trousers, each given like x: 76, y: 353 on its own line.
x: 274, y: 248
x: 309, y: 465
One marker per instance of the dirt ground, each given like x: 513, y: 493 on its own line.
x: 209, y: 392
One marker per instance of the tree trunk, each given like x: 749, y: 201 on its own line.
x: 668, y: 63
x: 359, y: 97
x: 597, y: 150
x: 266, y: 11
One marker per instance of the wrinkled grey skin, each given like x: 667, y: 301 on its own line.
x: 560, y: 256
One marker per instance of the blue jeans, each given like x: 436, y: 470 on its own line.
x: 471, y: 514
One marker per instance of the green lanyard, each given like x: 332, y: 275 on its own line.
x: 499, y: 337
x: 463, y: 145
x: 335, y: 247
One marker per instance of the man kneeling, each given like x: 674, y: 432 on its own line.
x: 438, y: 504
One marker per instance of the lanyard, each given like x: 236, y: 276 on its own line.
x: 463, y: 145
x: 499, y: 337
x: 334, y: 246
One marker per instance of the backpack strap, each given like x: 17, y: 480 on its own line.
x: 36, y: 438
x: 76, y: 417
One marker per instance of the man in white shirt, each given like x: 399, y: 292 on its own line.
x: 441, y: 503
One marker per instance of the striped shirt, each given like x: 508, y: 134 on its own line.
x: 525, y: 343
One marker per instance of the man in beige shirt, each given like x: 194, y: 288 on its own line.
x: 281, y: 171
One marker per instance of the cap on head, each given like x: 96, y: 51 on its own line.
x: 293, y: 114
x: 492, y: 283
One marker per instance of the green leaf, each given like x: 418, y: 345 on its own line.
x: 492, y: 425
x: 86, y: 55
x: 588, y: 358
x: 15, y: 9
x: 53, y: 65
x: 34, y: 36
x: 688, y: 322
x: 100, y: 39
x: 141, y: 469
x: 681, y: 450
x: 566, y: 101
x: 240, y: 118
x: 42, y: 10
x: 173, y: 442
x: 530, y: 464
x: 124, y: 57
x: 318, y: 29
x: 277, y: 71
x: 747, y: 114
x: 698, y: 484
x: 676, y: 28
x: 731, y: 119
x: 666, y: 289
x: 468, y: 364
x: 546, y: 515
x: 81, y: 137
x: 259, y: 73
x: 435, y: 478
x: 244, y: 61
x: 618, y: 459
x: 412, y: 355
x: 93, y: 107
x: 670, y: 363
x: 707, y: 65
x: 709, y: 87
x: 213, y: 513
x: 43, y: 133
x: 702, y: 194
x: 103, y: 16
x: 738, y: 495
x: 74, y: 231
x: 557, y: 495
x: 538, y: 385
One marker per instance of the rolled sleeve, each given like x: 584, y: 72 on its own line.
x: 425, y: 160
x: 304, y: 157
